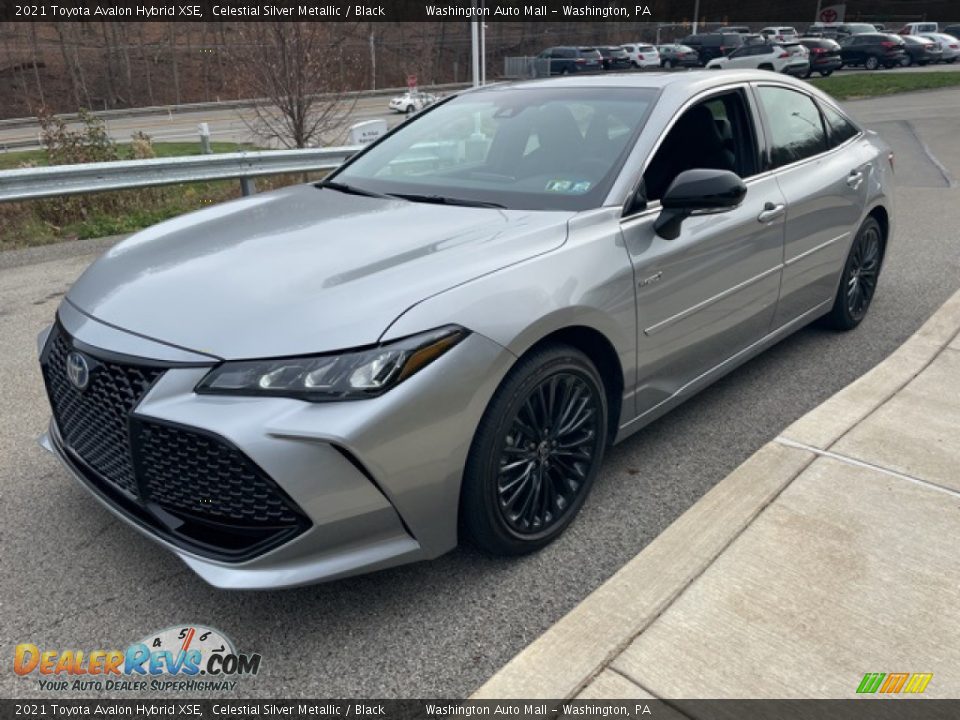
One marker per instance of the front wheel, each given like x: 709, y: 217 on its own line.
x: 536, y: 452
x: 871, y: 63
x: 858, y: 283
x: 668, y: 64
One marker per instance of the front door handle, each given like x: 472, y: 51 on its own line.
x: 854, y: 179
x: 771, y: 212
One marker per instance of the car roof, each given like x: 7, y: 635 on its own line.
x: 697, y: 80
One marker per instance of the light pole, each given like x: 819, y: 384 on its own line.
x: 475, y: 44
x: 696, y: 15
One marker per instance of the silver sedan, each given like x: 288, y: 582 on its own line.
x: 440, y: 340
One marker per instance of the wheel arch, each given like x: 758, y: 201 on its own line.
x: 596, y: 346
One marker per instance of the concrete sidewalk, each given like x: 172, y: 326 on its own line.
x: 831, y: 553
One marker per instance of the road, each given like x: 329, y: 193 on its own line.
x: 74, y: 577
x: 233, y: 125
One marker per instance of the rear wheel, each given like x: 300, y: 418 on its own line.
x: 907, y: 61
x: 536, y: 452
x: 871, y: 63
x: 668, y: 64
x: 825, y: 73
x: 859, y: 280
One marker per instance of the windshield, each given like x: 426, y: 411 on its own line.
x: 521, y: 148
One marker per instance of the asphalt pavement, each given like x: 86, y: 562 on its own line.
x: 74, y: 577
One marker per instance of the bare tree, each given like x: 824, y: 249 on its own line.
x: 290, y: 65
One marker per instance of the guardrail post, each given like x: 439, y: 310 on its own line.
x: 248, y: 186
x: 205, y: 139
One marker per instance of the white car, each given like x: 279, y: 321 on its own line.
x: 764, y: 56
x: 412, y: 101
x: 779, y: 33
x: 919, y: 28
x: 948, y: 44
x: 642, y: 55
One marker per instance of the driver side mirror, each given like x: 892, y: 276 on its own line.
x: 697, y: 192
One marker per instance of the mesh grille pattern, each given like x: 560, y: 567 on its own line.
x: 221, y: 501
x: 93, y: 422
x: 185, y: 472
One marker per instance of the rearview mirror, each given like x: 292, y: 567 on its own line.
x: 697, y: 192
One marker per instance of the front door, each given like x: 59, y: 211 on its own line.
x: 711, y: 292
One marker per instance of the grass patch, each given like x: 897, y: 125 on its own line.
x: 883, y: 82
x: 21, y: 158
x: 32, y: 223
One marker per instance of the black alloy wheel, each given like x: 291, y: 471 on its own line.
x: 858, y: 284
x: 536, y: 452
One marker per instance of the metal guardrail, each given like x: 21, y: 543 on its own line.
x: 45, y: 182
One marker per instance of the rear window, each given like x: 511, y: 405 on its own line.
x: 645, y: 48
x: 732, y: 39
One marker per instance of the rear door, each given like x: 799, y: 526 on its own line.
x: 712, y: 291
x: 823, y: 176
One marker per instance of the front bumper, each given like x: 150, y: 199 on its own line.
x: 378, y: 479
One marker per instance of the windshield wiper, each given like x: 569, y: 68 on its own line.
x: 443, y: 200
x: 350, y: 189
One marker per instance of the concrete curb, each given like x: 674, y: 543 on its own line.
x: 563, y: 661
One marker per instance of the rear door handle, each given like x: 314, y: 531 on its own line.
x: 771, y: 212
x: 854, y: 179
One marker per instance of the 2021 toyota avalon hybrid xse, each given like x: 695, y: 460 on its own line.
x: 441, y: 339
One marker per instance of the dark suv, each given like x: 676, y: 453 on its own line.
x: 873, y: 50
x: 824, y: 55
x: 567, y: 60
x: 713, y: 45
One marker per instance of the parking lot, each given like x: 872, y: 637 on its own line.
x: 76, y: 577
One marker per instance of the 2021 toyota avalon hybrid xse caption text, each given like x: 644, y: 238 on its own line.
x: 440, y: 340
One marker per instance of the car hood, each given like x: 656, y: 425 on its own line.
x: 300, y: 270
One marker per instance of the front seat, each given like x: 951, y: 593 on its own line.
x: 694, y: 142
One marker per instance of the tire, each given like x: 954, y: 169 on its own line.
x: 809, y: 74
x: 409, y: 111
x: 951, y: 61
x: 515, y: 454
x: 826, y: 73
x: 871, y: 63
x: 668, y: 64
x: 907, y: 61
x: 858, y: 283
x: 565, y: 71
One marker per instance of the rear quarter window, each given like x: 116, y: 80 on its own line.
x: 794, y: 125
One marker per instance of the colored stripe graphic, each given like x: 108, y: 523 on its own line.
x: 870, y: 682
x: 894, y: 683
x: 918, y: 682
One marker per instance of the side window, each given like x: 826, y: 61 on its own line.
x: 839, y: 129
x: 714, y: 134
x: 794, y: 124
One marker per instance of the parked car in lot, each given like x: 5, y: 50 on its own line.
x: 642, y: 55
x: 920, y: 51
x: 873, y: 50
x: 675, y: 55
x: 412, y: 101
x: 766, y: 56
x: 567, y: 60
x: 949, y: 46
x: 779, y: 33
x: 952, y: 30
x: 713, y: 45
x: 918, y: 28
x: 614, y: 57
x: 342, y: 376
x: 823, y: 55
x: 742, y: 29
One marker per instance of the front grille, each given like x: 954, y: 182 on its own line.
x: 93, y: 423
x: 188, y: 473
x: 189, y: 486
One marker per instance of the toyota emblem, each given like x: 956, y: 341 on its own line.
x: 78, y: 370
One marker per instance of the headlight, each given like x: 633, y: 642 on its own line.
x: 351, y: 375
